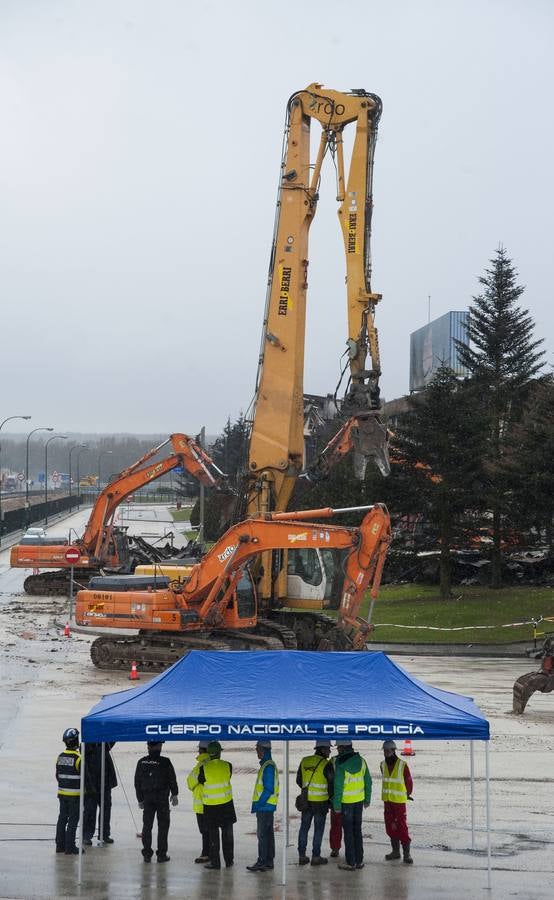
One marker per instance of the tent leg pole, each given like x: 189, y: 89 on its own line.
x: 102, y: 786
x: 285, y: 810
x: 472, y: 781
x: 487, y: 775
x: 81, y: 811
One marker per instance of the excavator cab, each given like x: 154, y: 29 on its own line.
x: 314, y: 578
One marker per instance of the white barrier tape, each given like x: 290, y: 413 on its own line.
x: 459, y: 627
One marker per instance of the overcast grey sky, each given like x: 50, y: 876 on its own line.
x: 139, y: 162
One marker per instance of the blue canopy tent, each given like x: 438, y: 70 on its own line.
x: 284, y: 695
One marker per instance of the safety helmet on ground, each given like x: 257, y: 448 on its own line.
x: 214, y: 749
x: 70, y: 737
x: 389, y: 745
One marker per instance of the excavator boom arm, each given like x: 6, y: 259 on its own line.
x: 187, y: 454
x: 277, y: 440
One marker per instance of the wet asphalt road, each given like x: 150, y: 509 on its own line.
x: 48, y: 683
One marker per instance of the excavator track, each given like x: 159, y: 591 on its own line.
x: 283, y: 634
x: 526, y: 686
x: 542, y: 681
x: 56, y: 584
x: 155, y: 651
x: 312, y: 631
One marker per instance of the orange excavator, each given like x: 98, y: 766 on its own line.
x: 216, y: 605
x: 105, y: 546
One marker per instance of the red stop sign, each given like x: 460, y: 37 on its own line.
x: 72, y: 555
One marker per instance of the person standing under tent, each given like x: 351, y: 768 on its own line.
x: 155, y: 782
x: 93, y: 790
x: 264, y: 804
x: 315, y: 775
x: 68, y: 776
x: 198, y: 803
x: 335, y: 832
x: 397, y: 786
x: 352, y: 793
x: 219, y: 810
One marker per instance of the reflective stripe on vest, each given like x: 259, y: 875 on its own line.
x: 394, y: 789
x: 67, y: 773
x: 312, y: 769
x: 353, y: 789
x: 217, y: 788
x: 259, y: 786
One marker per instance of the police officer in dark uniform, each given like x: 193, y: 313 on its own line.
x: 68, y: 776
x: 155, y: 781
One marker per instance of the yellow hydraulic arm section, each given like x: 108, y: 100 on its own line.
x: 276, y: 450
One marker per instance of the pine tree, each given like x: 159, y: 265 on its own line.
x: 502, y: 358
x: 438, y: 451
x: 530, y: 464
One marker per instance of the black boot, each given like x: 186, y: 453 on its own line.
x: 406, y: 850
x: 395, y: 849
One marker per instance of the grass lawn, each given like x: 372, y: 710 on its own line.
x: 416, y: 604
x: 181, y: 515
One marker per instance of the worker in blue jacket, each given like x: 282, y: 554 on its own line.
x: 264, y: 804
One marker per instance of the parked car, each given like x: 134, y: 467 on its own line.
x: 35, y: 532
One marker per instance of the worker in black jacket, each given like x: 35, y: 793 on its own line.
x: 93, y: 791
x: 68, y: 776
x: 155, y: 781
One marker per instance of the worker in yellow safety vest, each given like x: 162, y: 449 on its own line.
x: 397, y: 786
x: 314, y: 777
x: 219, y: 810
x: 68, y: 776
x: 198, y: 802
x: 264, y: 804
x: 352, y: 793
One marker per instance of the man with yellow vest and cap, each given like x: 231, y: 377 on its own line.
x: 264, y: 804
x: 397, y: 787
x: 352, y: 793
x: 219, y: 810
x: 198, y: 802
x: 315, y: 776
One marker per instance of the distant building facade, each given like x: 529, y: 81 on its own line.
x: 434, y: 345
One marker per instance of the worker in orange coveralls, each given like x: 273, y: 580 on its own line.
x: 397, y: 788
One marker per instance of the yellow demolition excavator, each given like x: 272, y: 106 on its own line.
x: 296, y: 578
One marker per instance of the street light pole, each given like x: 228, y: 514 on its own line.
x: 71, y: 449
x: 1, y: 425
x: 40, y: 428
x: 82, y: 450
x: 100, y: 455
x: 61, y: 437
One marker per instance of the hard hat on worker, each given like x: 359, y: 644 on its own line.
x: 70, y: 737
x: 389, y: 745
x: 322, y: 744
x: 214, y: 749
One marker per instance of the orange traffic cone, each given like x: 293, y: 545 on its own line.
x: 407, y: 749
x: 133, y: 674
x: 66, y: 631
